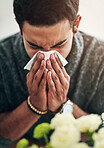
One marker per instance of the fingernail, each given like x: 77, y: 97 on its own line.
x: 38, y: 54
x: 53, y: 56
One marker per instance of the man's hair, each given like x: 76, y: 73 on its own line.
x: 45, y: 12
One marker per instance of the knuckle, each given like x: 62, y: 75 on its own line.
x: 33, y: 63
x: 53, y: 61
x: 27, y: 76
x: 51, y: 69
x: 66, y: 84
x: 40, y: 86
x: 40, y: 56
x: 58, y: 94
x: 38, y: 59
x: 62, y: 91
x: 27, y: 83
x: 31, y: 90
x: 52, y: 86
x: 33, y: 69
x: 68, y: 78
x: 41, y: 67
x: 35, y: 77
x: 59, y: 71
x: 56, y: 78
x: 61, y: 65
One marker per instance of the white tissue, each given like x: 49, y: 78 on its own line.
x: 47, y: 56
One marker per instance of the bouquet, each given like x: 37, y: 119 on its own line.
x: 65, y: 132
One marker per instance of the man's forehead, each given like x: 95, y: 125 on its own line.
x: 42, y: 35
x: 62, y: 25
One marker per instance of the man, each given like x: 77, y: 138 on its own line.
x: 24, y: 99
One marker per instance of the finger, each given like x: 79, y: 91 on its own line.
x: 57, y: 68
x: 36, y: 66
x: 63, y: 76
x: 51, y: 84
x: 39, y: 73
x: 42, y: 85
x: 28, y: 82
x: 61, y: 66
x: 54, y: 76
x: 38, y: 56
x: 58, y: 60
x: 37, y: 61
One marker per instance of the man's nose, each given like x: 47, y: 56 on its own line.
x: 47, y: 49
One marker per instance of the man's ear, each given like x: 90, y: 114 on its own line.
x: 76, y: 25
x: 20, y: 32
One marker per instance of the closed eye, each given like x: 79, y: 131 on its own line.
x: 58, y: 45
x: 34, y: 46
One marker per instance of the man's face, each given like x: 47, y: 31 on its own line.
x: 45, y: 38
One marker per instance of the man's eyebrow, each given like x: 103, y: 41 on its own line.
x: 59, y: 43
x: 35, y: 45
x: 32, y: 44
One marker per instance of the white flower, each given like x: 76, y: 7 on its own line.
x: 99, y: 139
x: 80, y: 145
x: 99, y: 136
x: 62, y: 119
x: 102, y: 115
x: 99, y: 144
x: 88, y: 123
x: 64, y: 136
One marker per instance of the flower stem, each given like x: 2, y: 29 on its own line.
x: 46, y: 139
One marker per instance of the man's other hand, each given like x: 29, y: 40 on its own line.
x: 36, y: 83
x: 58, y: 83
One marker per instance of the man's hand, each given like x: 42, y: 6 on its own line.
x: 58, y: 83
x: 36, y: 83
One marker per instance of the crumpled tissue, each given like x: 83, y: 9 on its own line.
x: 47, y: 56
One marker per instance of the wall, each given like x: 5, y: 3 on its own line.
x: 92, y: 22
x: 92, y: 12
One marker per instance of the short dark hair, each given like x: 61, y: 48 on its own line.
x: 45, y: 12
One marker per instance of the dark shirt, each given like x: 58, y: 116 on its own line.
x: 85, y: 67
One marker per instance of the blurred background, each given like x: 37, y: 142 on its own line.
x: 92, y: 12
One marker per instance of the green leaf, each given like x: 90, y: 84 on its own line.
x: 23, y: 143
x: 41, y: 130
x: 89, y: 137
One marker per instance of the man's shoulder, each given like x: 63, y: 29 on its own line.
x: 9, y: 40
x: 91, y: 40
x: 92, y: 59
x: 9, y: 45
